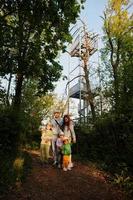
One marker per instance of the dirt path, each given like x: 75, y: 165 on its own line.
x: 82, y: 183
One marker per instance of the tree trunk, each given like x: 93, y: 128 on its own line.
x: 90, y: 98
x: 116, y: 89
x: 18, y: 91
x: 8, y: 90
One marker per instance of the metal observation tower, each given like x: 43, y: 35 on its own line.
x: 84, y: 45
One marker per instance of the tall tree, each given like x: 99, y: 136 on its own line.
x: 31, y: 34
x: 126, y: 76
x: 117, y: 24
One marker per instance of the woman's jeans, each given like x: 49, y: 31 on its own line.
x: 54, y: 148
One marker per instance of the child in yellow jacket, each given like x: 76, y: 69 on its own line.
x: 46, y: 138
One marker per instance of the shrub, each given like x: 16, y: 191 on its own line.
x: 110, y: 142
x: 14, y: 170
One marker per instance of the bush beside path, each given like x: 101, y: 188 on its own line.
x: 84, y: 182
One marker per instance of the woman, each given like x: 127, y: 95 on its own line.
x: 68, y: 129
x: 56, y: 123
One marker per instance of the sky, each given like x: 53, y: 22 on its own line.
x: 92, y: 16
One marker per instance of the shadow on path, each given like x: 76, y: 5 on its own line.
x: 82, y: 183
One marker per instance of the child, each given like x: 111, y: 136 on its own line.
x: 46, y: 138
x: 66, y: 152
x: 59, y: 144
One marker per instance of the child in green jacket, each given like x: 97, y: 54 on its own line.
x: 66, y: 152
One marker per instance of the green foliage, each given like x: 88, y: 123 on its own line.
x: 124, y: 181
x: 112, y: 142
x: 22, y: 166
x: 33, y: 109
x: 109, y: 142
x: 13, y: 170
x: 117, y: 57
x: 30, y: 39
x: 29, y: 129
x: 34, y: 144
x: 6, y: 172
x: 9, y: 128
x: 34, y: 103
x: 126, y: 78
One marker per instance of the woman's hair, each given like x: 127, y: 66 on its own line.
x: 66, y: 123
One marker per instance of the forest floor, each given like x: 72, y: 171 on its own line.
x: 83, y: 182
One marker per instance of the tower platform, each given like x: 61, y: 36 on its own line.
x: 74, y: 92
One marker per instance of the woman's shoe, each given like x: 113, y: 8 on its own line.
x: 55, y: 163
x: 59, y: 166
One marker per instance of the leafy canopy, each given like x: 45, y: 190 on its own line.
x: 31, y: 34
x: 117, y: 20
